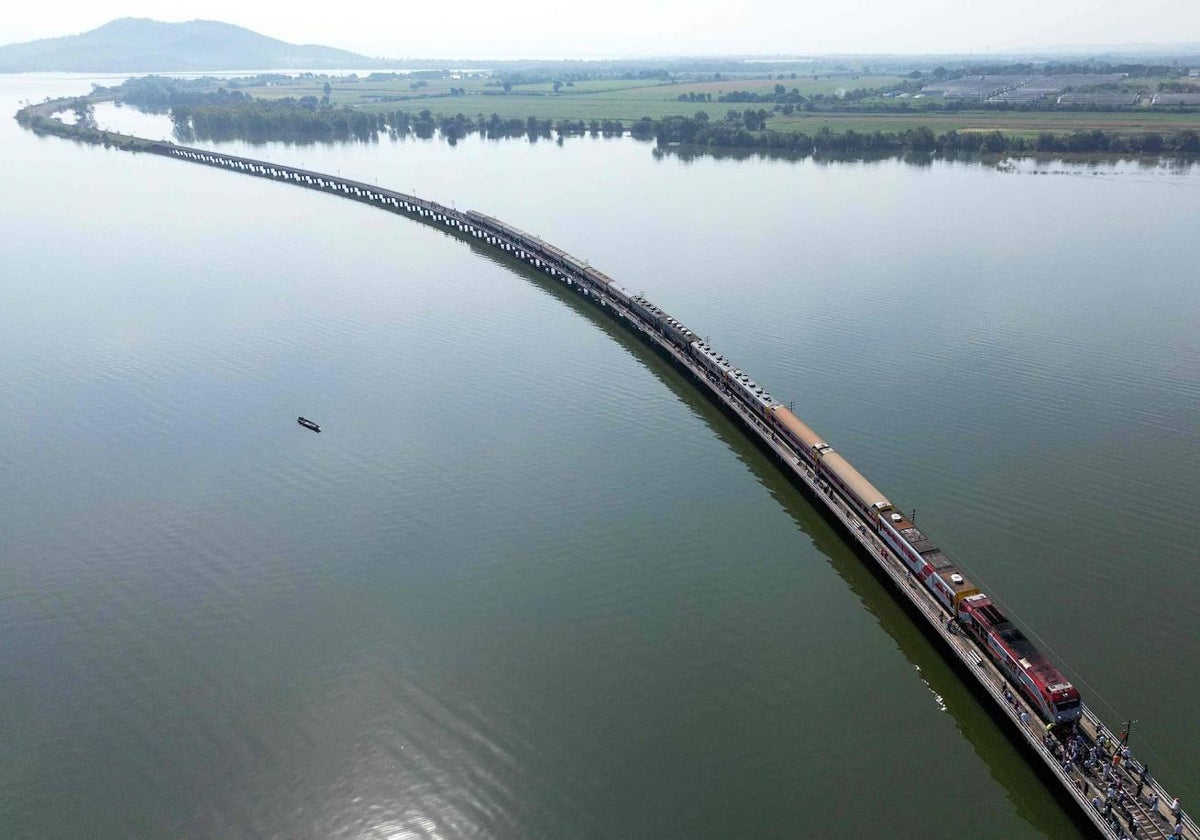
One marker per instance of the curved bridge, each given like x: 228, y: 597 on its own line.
x: 800, y: 453
x: 426, y: 211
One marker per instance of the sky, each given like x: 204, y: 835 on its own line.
x: 631, y: 28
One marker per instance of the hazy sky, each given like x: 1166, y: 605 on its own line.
x: 557, y: 28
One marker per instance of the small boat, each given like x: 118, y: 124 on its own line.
x: 308, y: 424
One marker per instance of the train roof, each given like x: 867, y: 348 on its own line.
x: 486, y: 219
x: 947, y: 569
x: 866, y: 492
x: 649, y: 307
x: 474, y: 214
x: 798, y: 427
x: 913, y: 535
x: 1026, y: 653
x: 597, y: 275
x: 677, y: 326
x: 619, y: 290
x: 704, y: 349
x: 951, y: 575
x: 741, y: 380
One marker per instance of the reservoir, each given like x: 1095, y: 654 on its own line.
x: 527, y: 583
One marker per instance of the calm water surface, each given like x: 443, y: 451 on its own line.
x: 526, y: 583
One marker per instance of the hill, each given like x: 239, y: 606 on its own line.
x: 143, y: 45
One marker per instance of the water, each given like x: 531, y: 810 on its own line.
x: 526, y: 583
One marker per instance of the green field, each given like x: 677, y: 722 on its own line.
x: 631, y: 99
x: 615, y: 99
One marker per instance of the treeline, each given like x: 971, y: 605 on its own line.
x: 199, y: 113
x: 782, y: 96
x: 259, y: 120
x: 880, y: 101
x: 263, y: 120
x: 158, y: 94
x: 300, y: 121
x: 229, y: 115
x: 735, y: 131
x: 1152, y: 143
x: 425, y: 125
x: 531, y: 76
x: 1049, y: 68
x: 293, y: 122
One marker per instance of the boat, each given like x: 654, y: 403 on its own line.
x: 308, y: 424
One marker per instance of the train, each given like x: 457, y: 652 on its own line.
x: 1025, y: 666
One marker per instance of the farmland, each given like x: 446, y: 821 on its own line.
x: 481, y: 94
x: 1016, y: 123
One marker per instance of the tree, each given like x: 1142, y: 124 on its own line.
x: 754, y: 120
x: 1187, y: 141
x: 328, y: 90
x: 508, y: 87
x: 921, y: 139
x: 995, y: 142
x: 557, y: 86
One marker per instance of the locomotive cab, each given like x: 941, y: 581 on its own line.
x: 1065, y: 703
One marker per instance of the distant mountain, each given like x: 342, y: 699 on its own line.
x: 143, y: 45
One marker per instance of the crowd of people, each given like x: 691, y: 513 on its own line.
x: 1119, y: 788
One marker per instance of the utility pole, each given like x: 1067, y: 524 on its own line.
x: 913, y: 518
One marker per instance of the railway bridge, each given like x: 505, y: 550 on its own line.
x: 1143, y: 811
